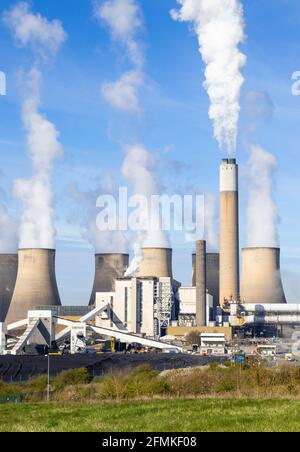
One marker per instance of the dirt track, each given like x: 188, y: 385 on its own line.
x: 22, y: 368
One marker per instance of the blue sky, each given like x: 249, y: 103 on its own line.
x: 174, y: 125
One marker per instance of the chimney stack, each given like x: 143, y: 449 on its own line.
x: 201, y: 283
x: 229, y: 231
x: 36, y: 283
x: 212, y: 275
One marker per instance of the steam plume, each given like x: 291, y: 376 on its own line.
x: 44, y: 38
x: 219, y: 25
x: 262, y: 215
x: 124, y: 21
x: 103, y: 241
x: 138, y: 169
x: 8, y: 232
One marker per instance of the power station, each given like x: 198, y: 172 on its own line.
x: 151, y: 304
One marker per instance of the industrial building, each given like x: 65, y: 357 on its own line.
x: 152, y: 304
x: 144, y: 306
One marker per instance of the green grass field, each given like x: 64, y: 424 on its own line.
x: 154, y: 416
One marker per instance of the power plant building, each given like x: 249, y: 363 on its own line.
x: 139, y: 305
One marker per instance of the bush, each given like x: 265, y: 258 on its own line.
x: 141, y: 382
x: 70, y: 378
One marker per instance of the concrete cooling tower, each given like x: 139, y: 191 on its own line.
x: 36, y: 283
x: 156, y: 263
x: 212, y: 275
x: 261, y: 278
x: 8, y: 276
x: 108, y: 268
x: 229, y: 231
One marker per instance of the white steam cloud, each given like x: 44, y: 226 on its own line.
x: 211, y: 229
x: 44, y: 38
x: 219, y: 25
x: 262, y: 214
x: 34, y: 30
x: 138, y: 170
x: 123, y: 94
x: 103, y: 241
x: 124, y: 20
x: 8, y: 231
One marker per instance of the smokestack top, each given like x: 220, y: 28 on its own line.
x: 229, y: 176
x: 229, y: 161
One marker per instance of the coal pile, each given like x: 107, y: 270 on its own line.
x: 23, y: 368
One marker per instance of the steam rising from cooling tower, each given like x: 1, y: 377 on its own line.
x: 36, y: 283
x: 44, y: 38
x: 37, y: 220
x: 219, y: 25
x: 103, y: 237
x: 138, y: 169
x: 124, y: 21
x: 261, y: 278
x: 8, y: 231
x: 262, y: 214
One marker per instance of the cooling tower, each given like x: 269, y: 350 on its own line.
x: 156, y: 263
x: 212, y: 275
x: 261, y: 278
x: 36, y: 283
x: 8, y: 276
x: 229, y: 231
x: 200, y: 283
x: 108, y: 268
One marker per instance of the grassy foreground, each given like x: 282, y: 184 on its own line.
x: 154, y: 416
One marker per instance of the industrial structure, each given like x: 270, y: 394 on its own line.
x: 151, y: 304
x: 229, y: 231
x: 212, y: 277
x: 144, y: 306
x: 108, y: 268
x: 261, y: 277
x: 156, y: 262
x: 8, y: 276
x: 36, y: 283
